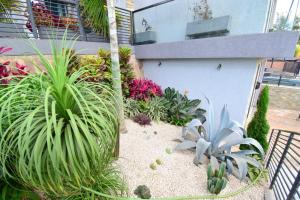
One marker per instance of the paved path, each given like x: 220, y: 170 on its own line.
x: 284, y: 119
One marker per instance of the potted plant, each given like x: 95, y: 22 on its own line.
x: 204, y: 25
x: 49, y: 24
x: 8, y: 27
x: 148, y: 36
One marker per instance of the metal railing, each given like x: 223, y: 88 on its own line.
x: 44, y: 19
x: 283, y: 163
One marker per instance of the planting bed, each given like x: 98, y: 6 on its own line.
x: 177, y: 175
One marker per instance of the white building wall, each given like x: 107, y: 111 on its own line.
x: 231, y: 85
x: 169, y: 20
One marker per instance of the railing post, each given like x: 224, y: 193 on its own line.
x: 294, y: 187
x: 32, y: 20
x: 273, y: 148
x: 291, y: 136
x: 132, y: 27
x: 81, y: 29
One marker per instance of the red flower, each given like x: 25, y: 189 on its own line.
x: 143, y: 89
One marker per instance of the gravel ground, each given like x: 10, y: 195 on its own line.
x: 177, y: 176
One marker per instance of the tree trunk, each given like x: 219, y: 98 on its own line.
x: 115, y: 64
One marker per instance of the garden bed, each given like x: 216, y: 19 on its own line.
x: 177, y: 175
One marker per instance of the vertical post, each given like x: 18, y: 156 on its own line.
x: 132, y: 28
x: 81, y: 29
x: 272, y: 62
x: 32, y: 20
x: 294, y: 187
x: 273, y: 148
x: 291, y: 136
x: 279, y: 81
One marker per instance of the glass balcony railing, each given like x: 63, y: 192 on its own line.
x: 177, y: 20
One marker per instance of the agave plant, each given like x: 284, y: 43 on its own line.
x: 58, y: 133
x: 217, y: 143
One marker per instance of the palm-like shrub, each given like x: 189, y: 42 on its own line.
x: 217, y: 143
x: 58, y: 133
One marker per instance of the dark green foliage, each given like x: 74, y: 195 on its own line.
x: 143, y: 192
x: 259, y: 127
x: 216, y: 179
x: 180, y: 109
x: 14, y: 191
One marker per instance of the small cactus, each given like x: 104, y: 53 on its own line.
x: 153, y: 166
x: 158, y: 161
x: 216, y: 181
x: 143, y: 192
x: 168, y: 151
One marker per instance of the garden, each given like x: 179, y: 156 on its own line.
x: 60, y: 135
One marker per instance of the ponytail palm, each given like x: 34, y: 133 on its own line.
x: 57, y: 133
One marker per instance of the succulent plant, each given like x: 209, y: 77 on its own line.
x: 216, y: 180
x: 180, y: 109
x: 143, y: 192
x: 217, y: 143
x: 142, y: 119
x: 158, y: 161
x: 153, y: 166
x: 168, y: 151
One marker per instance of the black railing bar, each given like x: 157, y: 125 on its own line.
x: 280, y: 194
x: 292, y: 165
x: 152, y: 5
x: 294, y: 151
x: 272, y: 150
x: 281, y: 147
x: 271, y: 136
x: 282, y: 142
x: 295, y: 159
x: 286, y: 131
x: 281, y: 160
x: 292, y: 154
x: 297, y: 193
x: 288, y: 177
x: 57, y: 3
x: 283, y: 192
x: 294, y: 188
x: 124, y: 9
x: 295, y: 144
x: 285, y: 187
x: 284, y: 137
x: 296, y: 139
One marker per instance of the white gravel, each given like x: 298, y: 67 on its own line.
x: 177, y: 176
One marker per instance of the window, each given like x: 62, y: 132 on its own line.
x: 57, y: 8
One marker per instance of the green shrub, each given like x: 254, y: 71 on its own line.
x: 180, y: 109
x: 258, y: 128
x: 98, y: 68
x: 153, y: 108
x: 57, y: 134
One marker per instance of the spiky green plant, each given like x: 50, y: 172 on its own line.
x: 216, y: 181
x: 57, y: 133
x: 217, y: 143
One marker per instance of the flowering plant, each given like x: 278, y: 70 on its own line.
x: 5, y: 72
x: 143, y: 89
x: 44, y: 17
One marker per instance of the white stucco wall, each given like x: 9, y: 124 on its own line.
x: 169, y: 20
x: 232, y: 85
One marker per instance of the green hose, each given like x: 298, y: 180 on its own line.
x: 224, y: 196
